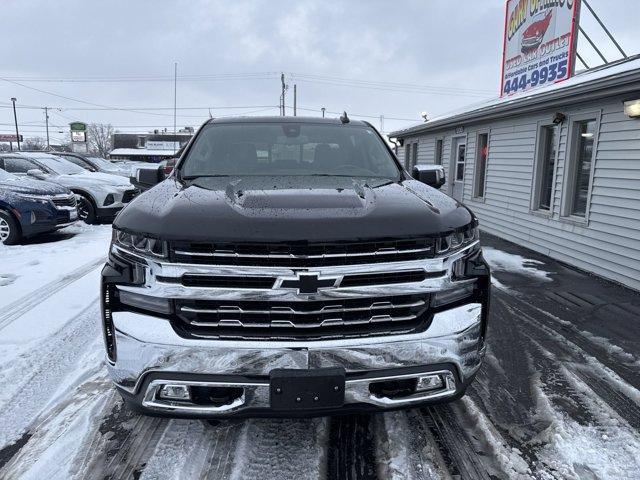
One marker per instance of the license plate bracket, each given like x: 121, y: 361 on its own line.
x: 298, y: 389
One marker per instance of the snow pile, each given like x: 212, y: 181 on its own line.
x: 508, y: 262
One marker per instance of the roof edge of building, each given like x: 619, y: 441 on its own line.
x: 604, y: 85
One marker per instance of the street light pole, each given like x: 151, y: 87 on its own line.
x: 15, y: 118
x: 46, y: 119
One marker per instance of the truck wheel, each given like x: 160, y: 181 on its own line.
x: 86, y: 210
x: 9, y: 229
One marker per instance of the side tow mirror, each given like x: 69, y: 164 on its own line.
x: 36, y: 173
x: 145, y: 178
x: 432, y: 175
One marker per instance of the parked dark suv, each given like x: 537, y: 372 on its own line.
x: 29, y: 207
x: 290, y: 266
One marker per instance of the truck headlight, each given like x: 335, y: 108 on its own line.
x: 138, y: 243
x: 458, y: 240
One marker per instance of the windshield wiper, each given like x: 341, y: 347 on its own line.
x: 193, y: 177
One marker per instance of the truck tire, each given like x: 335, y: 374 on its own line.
x: 86, y: 210
x: 9, y: 229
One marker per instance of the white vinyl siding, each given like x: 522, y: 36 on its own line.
x: 607, y: 242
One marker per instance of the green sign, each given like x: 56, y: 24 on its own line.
x: 78, y: 127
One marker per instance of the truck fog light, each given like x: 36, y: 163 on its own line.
x: 452, y: 295
x: 145, y: 302
x: 175, y: 392
x: 429, y: 382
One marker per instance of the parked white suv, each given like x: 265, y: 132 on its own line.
x: 100, y: 195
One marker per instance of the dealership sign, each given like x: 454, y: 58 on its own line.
x: 539, y: 43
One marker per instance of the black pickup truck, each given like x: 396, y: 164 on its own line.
x: 290, y: 266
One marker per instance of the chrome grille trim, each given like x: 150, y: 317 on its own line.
x: 228, y: 254
x: 329, y: 322
x: 291, y: 311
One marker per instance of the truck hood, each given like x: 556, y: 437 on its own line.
x: 31, y: 187
x: 274, y: 209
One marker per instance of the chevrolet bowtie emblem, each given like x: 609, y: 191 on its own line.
x: 309, y: 282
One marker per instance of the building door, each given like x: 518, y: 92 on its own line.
x: 456, y: 172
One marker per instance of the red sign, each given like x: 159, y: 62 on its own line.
x: 9, y: 138
x: 539, y: 43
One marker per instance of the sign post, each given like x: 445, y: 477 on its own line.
x: 540, y: 38
x: 79, y: 137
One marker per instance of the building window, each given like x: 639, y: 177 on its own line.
x: 462, y: 150
x: 414, y: 155
x: 482, y: 152
x: 437, y: 157
x: 580, y: 167
x: 407, y: 156
x: 545, y: 168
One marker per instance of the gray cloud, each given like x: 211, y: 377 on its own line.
x: 452, y: 45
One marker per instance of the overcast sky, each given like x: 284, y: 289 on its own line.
x: 362, y: 56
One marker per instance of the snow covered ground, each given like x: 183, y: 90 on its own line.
x: 557, y: 398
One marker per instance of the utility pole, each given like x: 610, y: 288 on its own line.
x: 381, y: 123
x: 282, y: 107
x: 323, y: 110
x: 175, y: 96
x: 46, y: 121
x: 15, y: 118
x: 295, y: 100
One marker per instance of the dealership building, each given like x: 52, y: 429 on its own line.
x: 555, y: 169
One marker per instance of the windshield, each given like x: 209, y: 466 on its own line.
x: 268, y: 149
x: 4, y: 176
x: 103, y: 164
x: 60, y: 165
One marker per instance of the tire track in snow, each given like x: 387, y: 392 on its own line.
x: 282, y: 449
x: 45, y: 369
x: 27, y: 302
x: 352, y: 449
x: 458, y: 452
x: 598, y: 375
x: 59, y: 434
x: 406, y: 449
x: 122, y: 443
x: 195, y: 449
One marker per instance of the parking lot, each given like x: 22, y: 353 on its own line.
x: 557, y: 397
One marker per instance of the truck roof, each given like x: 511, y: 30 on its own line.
x: 280, y: 119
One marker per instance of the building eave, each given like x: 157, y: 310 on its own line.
x: 616, y: 84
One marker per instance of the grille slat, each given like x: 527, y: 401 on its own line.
x: 69, y: 201
x: 303, y: 255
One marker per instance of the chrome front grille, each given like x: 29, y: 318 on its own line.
x: 302, y: 254
x: 308, y: 319
x: 66, y: 201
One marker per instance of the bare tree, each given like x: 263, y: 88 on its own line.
x: 100, y: 138
x: 33, y: 143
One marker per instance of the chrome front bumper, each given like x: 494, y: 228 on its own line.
x: 150, y: 354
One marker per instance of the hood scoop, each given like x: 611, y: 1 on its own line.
x: 293, y: 199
